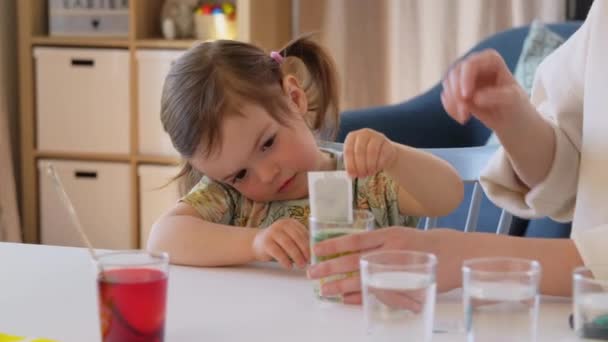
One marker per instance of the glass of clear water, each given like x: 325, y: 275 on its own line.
x: 501, y: 299
x: 399, y: 294
x: 591, y: 301
x: 321, y: 230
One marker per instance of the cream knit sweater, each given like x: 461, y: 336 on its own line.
x: 571, y: 91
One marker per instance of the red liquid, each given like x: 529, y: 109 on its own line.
x: 132, y: 305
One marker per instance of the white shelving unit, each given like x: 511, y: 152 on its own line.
x: 263, y: 22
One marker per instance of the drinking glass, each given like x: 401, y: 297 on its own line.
x: 321, y: 230
x: 501, y: 299
x: 590, y: 301
x: 132, y: 294
x: 398, y: 289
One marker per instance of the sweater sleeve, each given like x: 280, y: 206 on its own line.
x: 558, y: 95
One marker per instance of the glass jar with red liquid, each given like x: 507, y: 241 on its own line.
x: 132, y: 294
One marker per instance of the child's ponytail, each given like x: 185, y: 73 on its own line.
x: 316, y: 72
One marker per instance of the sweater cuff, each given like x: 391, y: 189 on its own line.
x: 553, y: 197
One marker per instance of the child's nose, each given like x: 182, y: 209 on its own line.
x: 268, y: 172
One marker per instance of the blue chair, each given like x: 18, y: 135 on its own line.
x: 422, y: 122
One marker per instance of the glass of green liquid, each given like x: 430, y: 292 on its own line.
x: 322, y: 229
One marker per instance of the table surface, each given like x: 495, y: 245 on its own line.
x: 49, y: 291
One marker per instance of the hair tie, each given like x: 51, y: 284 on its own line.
x: 277, y: 57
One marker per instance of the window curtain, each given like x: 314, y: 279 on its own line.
x: 9, y: 218
x: 390, y: 50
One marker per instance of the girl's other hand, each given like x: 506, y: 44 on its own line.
x: 286, y: 241
x: 367, y: 152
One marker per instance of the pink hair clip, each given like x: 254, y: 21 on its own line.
x: 277, y: 57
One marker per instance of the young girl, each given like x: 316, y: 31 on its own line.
x: 249, y: 122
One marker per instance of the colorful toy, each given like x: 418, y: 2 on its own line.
x: 215, y: 21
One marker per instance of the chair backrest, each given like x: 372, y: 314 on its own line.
x: 469, y: 162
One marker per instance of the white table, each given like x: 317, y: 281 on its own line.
x: 50, y: 292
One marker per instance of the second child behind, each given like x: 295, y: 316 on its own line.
x: 249, y: 125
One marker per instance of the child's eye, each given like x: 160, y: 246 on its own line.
x: 239, y: 176
x: 268, y: 143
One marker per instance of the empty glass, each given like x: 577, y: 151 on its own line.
x: 399, y: 295
x: 591, y: 301
x: 501, y: 299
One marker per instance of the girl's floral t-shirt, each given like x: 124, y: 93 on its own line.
x: 220, y: 203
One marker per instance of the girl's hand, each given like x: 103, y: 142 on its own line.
x: 482, y: 85
x: 286, y: 241
x: 366, y: 152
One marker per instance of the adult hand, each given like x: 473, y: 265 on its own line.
x: 482, y: 85
x: 286, y: 241
x: 444, y: 243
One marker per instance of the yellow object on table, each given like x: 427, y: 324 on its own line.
x: 13, y: 338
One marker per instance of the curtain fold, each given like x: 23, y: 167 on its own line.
x: 9, y: 216
x: 390, y: 50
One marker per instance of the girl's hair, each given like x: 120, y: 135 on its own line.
x: 213, y: 78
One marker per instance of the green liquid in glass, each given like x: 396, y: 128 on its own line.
x: 323, y: 235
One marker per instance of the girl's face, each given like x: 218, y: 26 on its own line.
x: 262, y: 159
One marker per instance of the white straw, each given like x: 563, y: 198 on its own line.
x: 68, y: 204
